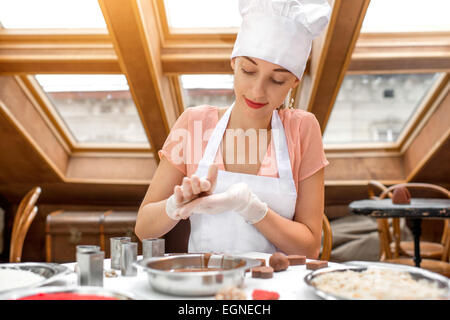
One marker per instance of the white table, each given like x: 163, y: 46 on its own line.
x: 289, y: 284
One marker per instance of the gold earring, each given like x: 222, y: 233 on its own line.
x: 291, y: 103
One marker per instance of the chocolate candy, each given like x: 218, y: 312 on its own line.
x: 295, y: 260
x: 316, y: 264
x: 278, y: 261
x: 256, y: 272
x: 262, y: 272
x: 401, y: 196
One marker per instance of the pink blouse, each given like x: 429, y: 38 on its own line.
x: 186, y: 143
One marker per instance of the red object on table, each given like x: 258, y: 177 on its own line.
x: 265, y: 295
x: 66, y: 296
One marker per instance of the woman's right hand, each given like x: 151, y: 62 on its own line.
x: 190, y: 189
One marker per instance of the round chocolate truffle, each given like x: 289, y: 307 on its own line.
x: 401, y: 196
x: 279, y: 261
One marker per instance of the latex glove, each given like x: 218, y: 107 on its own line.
x: 237, y: 197
x: 190, y: 189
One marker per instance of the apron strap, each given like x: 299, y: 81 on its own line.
x: 281, y: 148
x: 215, y: 139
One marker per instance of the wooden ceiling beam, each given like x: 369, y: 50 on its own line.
x: 194, y: 62
x: 330, y: 56
x: 147, y: 12
x: 92, y: 51
x: 57, y: 51
x: 425, y: 52
x: 132, y: 27
x: 50, y: 64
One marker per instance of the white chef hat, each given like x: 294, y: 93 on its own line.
x: 280, y: 31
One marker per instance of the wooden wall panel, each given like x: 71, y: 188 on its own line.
x: 343, y: 194
x: 34, y: 245
x: 19, y: 161
x: 100, y: 193
x: 437, y: 168
x: 27, y: 116
x: 364, y: 168
x: 430, y: 139
x: 126, y: 168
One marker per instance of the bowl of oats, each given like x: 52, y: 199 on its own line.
x: 361, y: 280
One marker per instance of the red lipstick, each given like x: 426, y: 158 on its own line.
x: 254, y: 105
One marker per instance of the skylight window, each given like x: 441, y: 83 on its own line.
x: 376, y: 108
x: 51, y: 14
x: 95, y: 108
x: 216, y: 90
x: 202, y: 13
x: 407, y: 16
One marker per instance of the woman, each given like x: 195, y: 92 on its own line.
x: 264, y: 205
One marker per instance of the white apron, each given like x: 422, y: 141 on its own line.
x: 228, y: 232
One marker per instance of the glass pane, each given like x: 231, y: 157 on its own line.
x: 95, y: 108
x: 376, y: 108
x: 202, y: 13
x: 407, y: 16
x: 51, y: 14
x: 216, y: 90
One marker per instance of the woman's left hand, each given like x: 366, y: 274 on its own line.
x: 237, y: 197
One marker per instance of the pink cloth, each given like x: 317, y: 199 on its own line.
x: 193, y: 128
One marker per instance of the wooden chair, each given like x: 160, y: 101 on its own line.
x: 327, y: 239
x: 434, y: 255
x: 25, y: 215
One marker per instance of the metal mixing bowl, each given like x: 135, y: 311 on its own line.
x: 163, y: 276
x: 441, y: 281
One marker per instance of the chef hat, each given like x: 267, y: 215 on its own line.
x: 280, y: 31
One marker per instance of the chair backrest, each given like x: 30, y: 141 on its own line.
x: 26, y: 205
x: 384, y: 234
x: 16, y: 251
x: 424, y: 186
x: 22, y: 221
x: 327, y: 239
x: 413, y: 185
x: 446, y: 241
x: 373, y: 185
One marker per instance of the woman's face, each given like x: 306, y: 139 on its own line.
x: 260, y: 86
